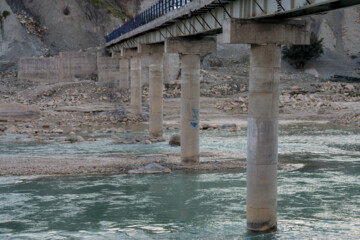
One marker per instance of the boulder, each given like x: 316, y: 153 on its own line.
x: 152, y: 168
x: 80, y: 139
x: 349, y: 87
x: 230, y: 127
x: 58, y: 131
x: 175, y: 140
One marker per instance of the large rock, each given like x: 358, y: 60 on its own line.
x: 14, y: 41
x: 175, y: 140
x: 230, y: 127
x: 151, y: 168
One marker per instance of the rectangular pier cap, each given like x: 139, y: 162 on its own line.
x: 149, y: 49
x: 199, y: 45
x: 281, y: 32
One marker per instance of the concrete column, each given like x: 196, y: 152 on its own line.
x: 190, y: 108
x: 124, y: 74
x: 266, y: 39
x: 171, y: 67
x: 262, y: 147
x: 135, y: 66
x: 156, y: 95
x: 190, y: 50
x: 145, y: 64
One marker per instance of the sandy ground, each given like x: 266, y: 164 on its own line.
x: 71, y: 109
x: 120, y: 165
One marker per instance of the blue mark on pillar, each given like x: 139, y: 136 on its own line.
x: 195, y: 118
x: 196, y: 113
x: 194, y: 124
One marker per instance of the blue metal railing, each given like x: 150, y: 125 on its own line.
x: 160, y: 8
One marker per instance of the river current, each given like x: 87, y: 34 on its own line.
x: 318, y: 192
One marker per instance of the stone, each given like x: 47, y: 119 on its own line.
x: 349, y: 87
x: 230, y: 127
x: 147, y: 142
x: 121, y: 130
x: 45, y: 126
x: 116, y: 138
x: 161, y: 139
x: 312, y: 71
x: 175, y: 140
x: 58, y: 131
x: 80, y: 139
x: 206, y: 126
x: 152, y: 168
x: 11, y: 129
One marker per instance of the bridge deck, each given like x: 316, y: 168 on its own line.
x: 205, y: 17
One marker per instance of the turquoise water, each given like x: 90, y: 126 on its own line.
x: 319, y: 195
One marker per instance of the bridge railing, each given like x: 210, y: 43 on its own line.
x: 157, y: 10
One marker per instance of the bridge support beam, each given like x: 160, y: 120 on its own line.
x: 155, y: 52
x: 135, y: 76
x: 190, y: 50
x: 266, y: 39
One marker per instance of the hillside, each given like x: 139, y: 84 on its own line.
x: 38, y: 27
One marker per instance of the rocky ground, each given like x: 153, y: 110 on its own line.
x: 67, y: 112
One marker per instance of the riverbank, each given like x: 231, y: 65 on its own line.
x: 76, y: 113
x: 35, y: 166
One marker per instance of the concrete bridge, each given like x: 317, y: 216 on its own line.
x: 186, y: 27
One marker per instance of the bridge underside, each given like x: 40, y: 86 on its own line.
x: 266, y: 26
x: 206, y: 17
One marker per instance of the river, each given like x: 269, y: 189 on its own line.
x: 318, y: 192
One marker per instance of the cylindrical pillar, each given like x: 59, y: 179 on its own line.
x: 124, y: 74
x: 145, y: 63
x: 171, y: 67
x: 262, y: 137
x: 135, y: 86
x: 190, y: 108
x: 156, y: 95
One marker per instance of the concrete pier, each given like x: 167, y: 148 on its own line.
x: 135, y: 79
x: 266, y: 39
x: 190, y: 108
x: 155, y: 54
x: 172, y: 67
x: 135, y: 66
x: 145, y: 65
x: 190, y: 50
x: 124, y: 74
x: 156, y: 95
x: 262, y: 135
